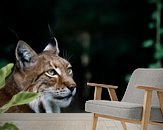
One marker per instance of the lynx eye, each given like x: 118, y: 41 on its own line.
x: 69, y: 70
x: 51, y: 73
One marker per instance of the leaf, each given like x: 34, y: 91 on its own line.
x: 4, y: 72
x: 8, y: 126
x: 24, y: 98
x: 148, y: 43
x: 155, y: 65
x: 154, y: 15
x: 152, y: 25
x: 159, y: 52
x: 20, y: 99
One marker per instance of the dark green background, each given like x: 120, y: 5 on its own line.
x: 117, y: 29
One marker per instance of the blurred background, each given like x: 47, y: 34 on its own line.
x: 105, y: 40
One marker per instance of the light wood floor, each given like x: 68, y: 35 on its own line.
x: 62, y: 121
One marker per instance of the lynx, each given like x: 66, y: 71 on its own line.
x: 47, y: 73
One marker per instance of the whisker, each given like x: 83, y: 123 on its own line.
x: 66, y: 55
x: 70, y: 57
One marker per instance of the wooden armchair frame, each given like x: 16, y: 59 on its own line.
x: 146, y: 106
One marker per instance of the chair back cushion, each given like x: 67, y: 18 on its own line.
x: 143, y: 77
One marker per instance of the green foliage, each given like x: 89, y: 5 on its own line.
x: 154, y: 15
x: 155, y: 65
x: 8, y: 126
x: 4, y: 72
x: 148, y: 43
x: 159, y: 53
x: 155, y: 24
x: 3, y: 62
x: 152, y: 25
x: 19, y: 99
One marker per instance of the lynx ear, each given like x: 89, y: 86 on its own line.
x: 25, y: 55
x: 52, y: 46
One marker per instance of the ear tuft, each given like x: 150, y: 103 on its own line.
x: 25, y: 55
x: 52, y: 46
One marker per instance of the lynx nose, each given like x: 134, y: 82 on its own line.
x: 71, y: 88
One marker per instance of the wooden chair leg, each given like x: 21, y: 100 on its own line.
x: 160, y: 98
x: 144, y: 126
x: 146, y: 110
x: 94, y: 121
x: 124, y: 125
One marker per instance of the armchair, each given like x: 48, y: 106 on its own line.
x: 142, y: 102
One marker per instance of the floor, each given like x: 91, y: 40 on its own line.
x: 62, y: 121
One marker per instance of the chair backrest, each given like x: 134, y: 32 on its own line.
x: 146, y: 77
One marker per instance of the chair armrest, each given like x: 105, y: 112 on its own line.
x: 102, y: 85
x: 98, y: 91
x: 150, y: 88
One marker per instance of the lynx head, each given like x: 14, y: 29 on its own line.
x: 47, y: 73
